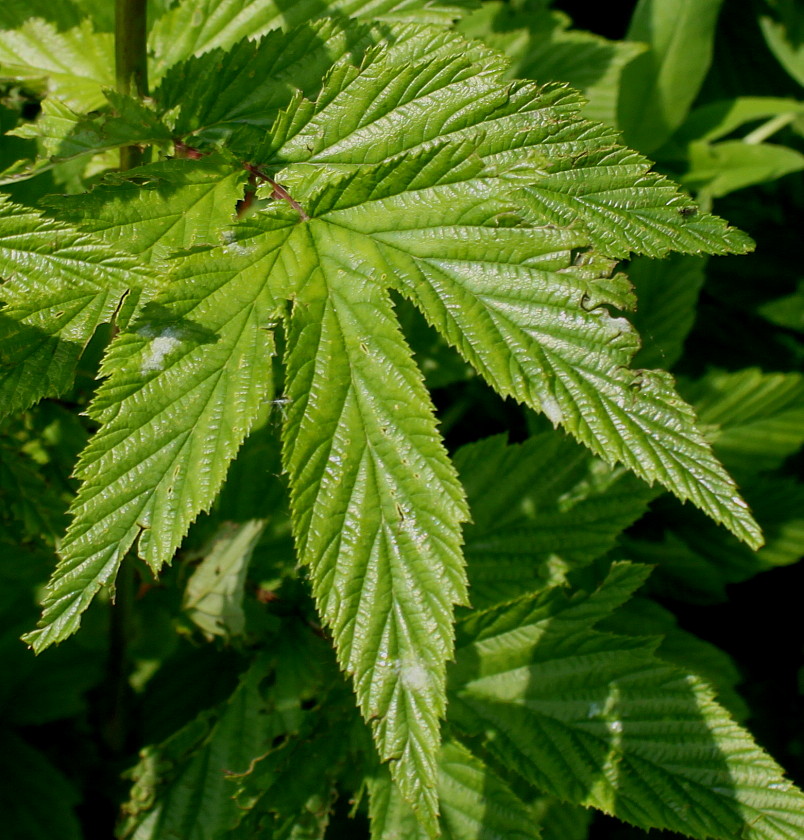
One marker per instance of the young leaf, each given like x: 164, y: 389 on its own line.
x: 213, y: 598
x: 63, y: 283
x: 598, y: 720
x: 184, y: 387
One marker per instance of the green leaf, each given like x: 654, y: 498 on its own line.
x: 193, y: 28
x: 783, y: 35
x: 474, y: 803
x: 498, y: 318
x: 721, y: 168
x: 787, y: 311
x: 558, y: 509
x: 596, y: 719
x: 577, y: 174
x: 542, y: 46
x: 73, y: 65
x: 759, y: 416
x: 63, y: 134
x: 696, y: 561
x: 183, y: 388
x: 667, y: 292
x: 195, y: 784
x: 719, y: 119
x: 157, y: 210
x: 659, y: 86
x: 376, y: 505
x: 62, y: 285
x: 213, y: 597
x: 206, y: 99
x: 642, y: 617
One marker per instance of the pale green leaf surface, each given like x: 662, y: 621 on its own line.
x: 780, y: 36
x: 183, y: 388
x: 558, y: 509
x: 76, y: 63
x: 61, y: 285
x: 528, y: 319
x: 659, y: 86
x: 156, y: 210
x: 597, y: 719
x: 720, y: 168
x: 213, y: 597
x: 234, y: 96
x: 193, y: 28
x: 474, y: 803
x: 377, y: 506
x: 667, y: 292
x: 579, y: 176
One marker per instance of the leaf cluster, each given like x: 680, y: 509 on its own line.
x: 246, y: 392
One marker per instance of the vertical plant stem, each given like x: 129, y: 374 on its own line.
x: 131, y: 68
x: 131, y: 74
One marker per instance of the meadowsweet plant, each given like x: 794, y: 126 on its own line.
x: 237, y: 262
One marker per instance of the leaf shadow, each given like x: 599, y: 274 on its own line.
x: 595, y: 719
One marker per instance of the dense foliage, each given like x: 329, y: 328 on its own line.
x: 339, y: 449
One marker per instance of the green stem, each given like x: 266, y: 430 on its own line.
x: 131, y: 68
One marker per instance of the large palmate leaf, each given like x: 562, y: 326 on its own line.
x: 478, y: 214
x: 62, y: 284
x: 599, y: 720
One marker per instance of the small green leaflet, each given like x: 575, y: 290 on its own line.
x: 597, y: 719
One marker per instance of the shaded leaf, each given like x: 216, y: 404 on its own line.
x: 596, y: 719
